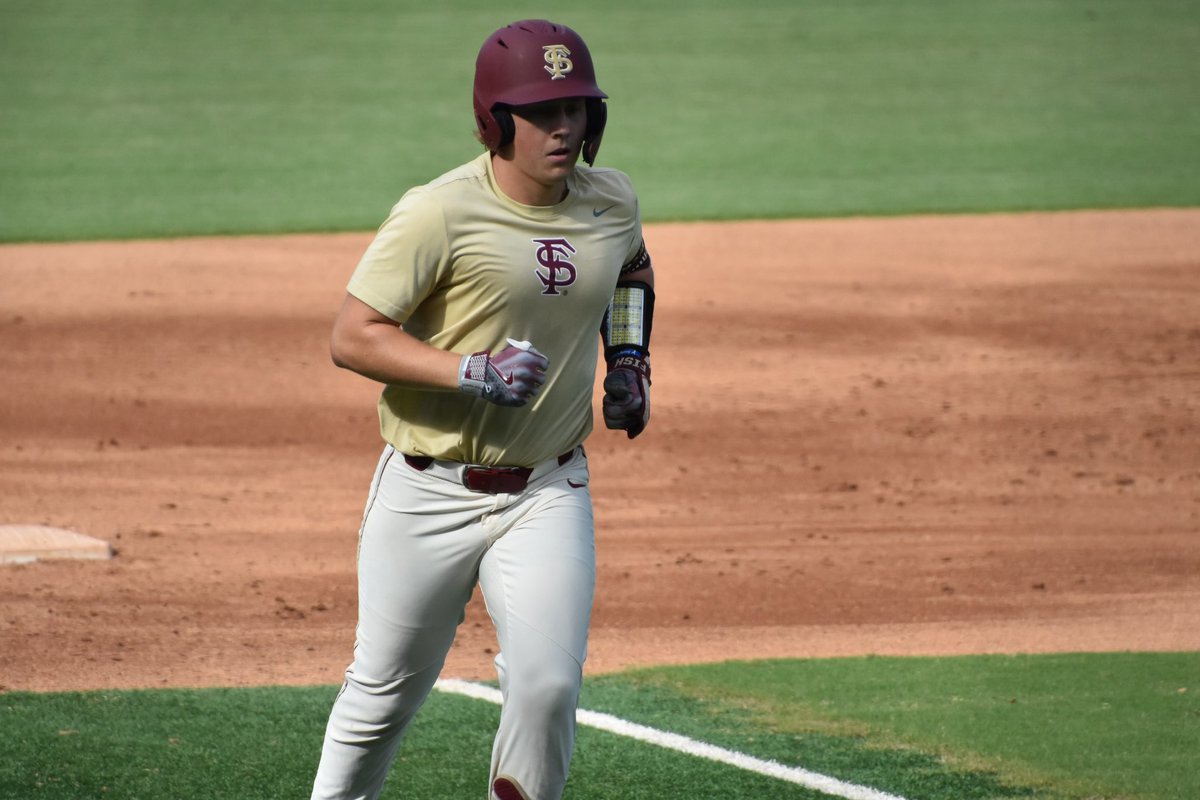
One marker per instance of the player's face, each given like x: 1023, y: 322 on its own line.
x: 545, y: 148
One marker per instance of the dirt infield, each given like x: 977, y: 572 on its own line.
x: 923, y: 435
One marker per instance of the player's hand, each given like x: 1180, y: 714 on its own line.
x: 627, y: 394
x: 511, y: 377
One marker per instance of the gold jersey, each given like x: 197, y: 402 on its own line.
x: 463, y: 267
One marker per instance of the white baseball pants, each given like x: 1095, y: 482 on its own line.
x: 424, y: 543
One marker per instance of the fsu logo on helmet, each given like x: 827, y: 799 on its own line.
x: 557, y: 63
x: 556, y: 270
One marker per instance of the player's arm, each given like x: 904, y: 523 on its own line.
x: 626, y: 335
x: 375, y: 346
x: 644, y: 275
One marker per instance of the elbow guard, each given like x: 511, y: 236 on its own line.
x: 628, y: 320
x: 626, y: 334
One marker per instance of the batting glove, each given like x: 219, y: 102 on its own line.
x: 511, y: 377
x: 627, y: 393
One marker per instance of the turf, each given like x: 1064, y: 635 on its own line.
x: 130, y: 119
x: 1060, y: 727
x: 1117, y: 725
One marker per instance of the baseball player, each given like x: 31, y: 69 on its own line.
x: 481, y: 306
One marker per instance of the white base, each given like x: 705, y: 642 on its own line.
x: 22, y: 544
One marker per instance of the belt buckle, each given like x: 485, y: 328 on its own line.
x: 496, y: 480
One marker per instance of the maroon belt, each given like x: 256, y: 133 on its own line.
x: 489, y: 480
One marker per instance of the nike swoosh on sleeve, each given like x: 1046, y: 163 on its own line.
x: 599, y: 212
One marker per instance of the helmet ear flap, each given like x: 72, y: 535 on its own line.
x: 597, y: 117
x: 504, y: 125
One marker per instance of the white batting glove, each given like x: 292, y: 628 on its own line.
x: 511, y: 377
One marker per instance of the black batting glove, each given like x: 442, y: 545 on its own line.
x: 626, y: 402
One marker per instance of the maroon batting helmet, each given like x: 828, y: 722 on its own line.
x: 533, y: 61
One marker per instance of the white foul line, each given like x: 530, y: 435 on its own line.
x: 683, y: 744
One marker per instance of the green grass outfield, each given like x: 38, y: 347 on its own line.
x: 135, y: 119
x: 1053, y: 727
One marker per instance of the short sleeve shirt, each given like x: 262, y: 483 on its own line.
x: 463, y: 268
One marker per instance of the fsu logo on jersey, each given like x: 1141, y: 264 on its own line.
x: 556, y: 270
